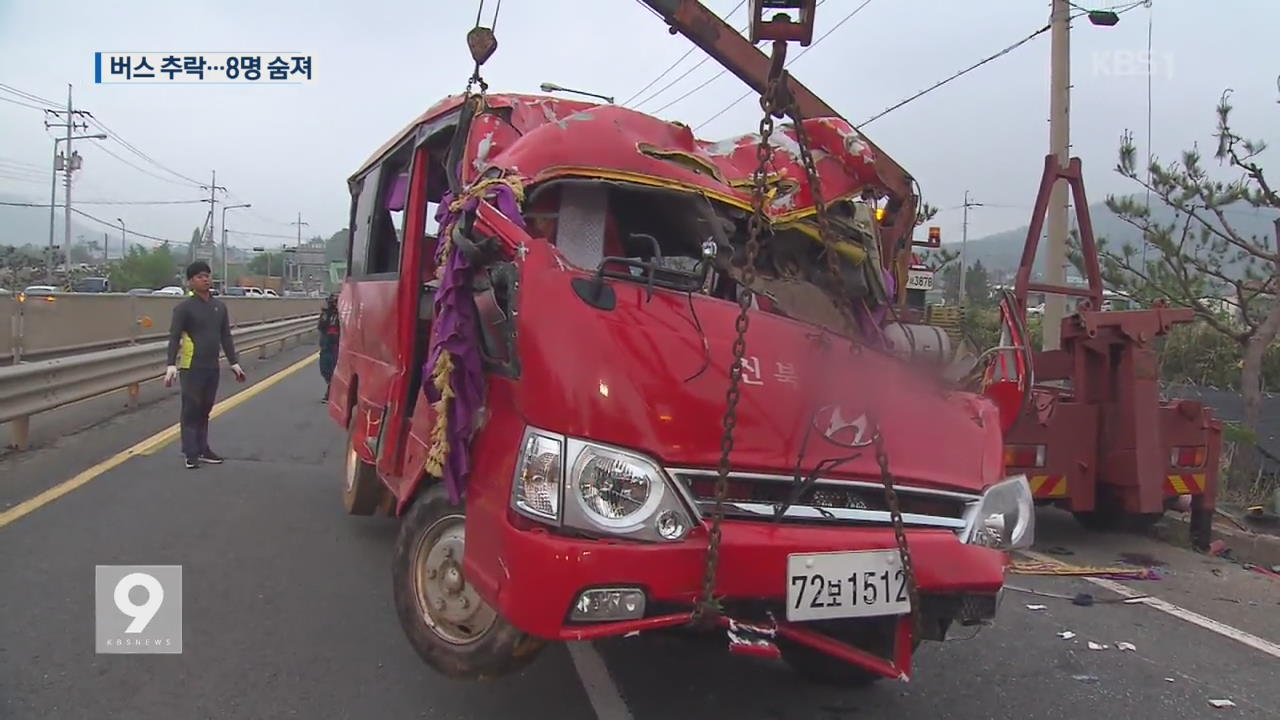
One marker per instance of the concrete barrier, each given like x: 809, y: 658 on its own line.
x: 70, y: 323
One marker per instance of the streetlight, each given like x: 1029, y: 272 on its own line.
x: 225, y: 208
x: 53, y: 192
x: 552, y: 87
x: 124, y: 242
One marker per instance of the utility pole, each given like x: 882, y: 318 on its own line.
x: 1059, y: 145
x: 299, y: 223
x: 212, y: 187
x: 964, y: 240
x: 106, y: 249
x: 68, y: 165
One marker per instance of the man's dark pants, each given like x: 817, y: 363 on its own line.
x: 199, y: 388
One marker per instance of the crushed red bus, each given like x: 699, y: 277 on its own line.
x: 538, y: 329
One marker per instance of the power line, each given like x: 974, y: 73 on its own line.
x: 23, y: 104
x: 677, y: 62
x: 144, y: 171
x: 799, y: 55
x: 1118, y: 10
x: 22, y: 164
x: 131, y: 148
x: 26, y: 95
x: 965, y: 71
x: 711, y: 80
x: 254, y: 234
x: 114, y: 226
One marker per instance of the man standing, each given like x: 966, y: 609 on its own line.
x: 328, y: 326
x: 200, y: 325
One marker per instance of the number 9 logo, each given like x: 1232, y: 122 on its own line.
x: 144, y: 613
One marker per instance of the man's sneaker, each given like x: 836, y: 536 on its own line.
x: 210, y: 457
x: 193, y: 463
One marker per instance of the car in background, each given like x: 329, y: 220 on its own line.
x: 170, y: 290
x: 268, y: 292
x: 243, y: 291
x: 91, y: 285
x: 142, y: 291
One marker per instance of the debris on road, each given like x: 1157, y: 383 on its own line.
x: 1218, y: 547
x: 1126, y: 646
x: 1219, y: 704
x: 1047, y: 566
x: 1170, y: 680
x: 1037, y: 607
x: 1066, y: 635
x: 1089, y: 679
x: 1095, y: 646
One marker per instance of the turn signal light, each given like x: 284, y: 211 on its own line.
x: 1024, y: 456
x: 1187, y: 456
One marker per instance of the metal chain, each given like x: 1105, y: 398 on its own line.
x: 833, y: 265
x: 707, y: 608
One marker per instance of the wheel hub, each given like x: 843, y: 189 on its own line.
x: 447, y: 602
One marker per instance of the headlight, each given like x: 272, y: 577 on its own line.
x: 1004, y: 519
x: 596, y: 489
x: 536, y: 490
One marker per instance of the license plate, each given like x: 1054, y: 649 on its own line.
x: 919, y: 280
x: 825, y: 586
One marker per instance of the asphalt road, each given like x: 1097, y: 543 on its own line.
x: 287, y: 609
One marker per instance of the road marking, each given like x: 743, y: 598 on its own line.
x: 145, y: 447
x: 601, y: 690
x: 1179, y: 612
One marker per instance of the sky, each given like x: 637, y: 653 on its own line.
x: 377, y: 64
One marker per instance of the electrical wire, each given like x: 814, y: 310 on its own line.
x: 1119, y: 10
x: 144, y: 171
x: 27, y: 96
x: 254, y: 234
x: 116, y: 136
x: 799, y: 55
x: 23, y: 104
x: 21, y: 164
x: 681, y: 59
x: 954, y: 76
x: 114, y: 226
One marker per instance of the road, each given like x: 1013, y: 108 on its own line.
x: 288, y: 612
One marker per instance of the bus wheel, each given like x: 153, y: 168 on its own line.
x: 361, y: 489
x: 450, y: 626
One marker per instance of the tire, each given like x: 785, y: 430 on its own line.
x: 362, y: 491
x: 450, y: 626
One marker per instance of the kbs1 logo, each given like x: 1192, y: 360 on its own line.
x: 1129, y: 63
x: 139, y: 609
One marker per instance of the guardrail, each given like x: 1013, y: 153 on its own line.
x: 31, y: 388
x: 68, y: 323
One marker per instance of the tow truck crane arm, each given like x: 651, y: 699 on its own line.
x: 740, y: 57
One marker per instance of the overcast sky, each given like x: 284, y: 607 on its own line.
x: 378, y: 63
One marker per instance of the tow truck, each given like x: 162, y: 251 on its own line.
x: 614, y: 379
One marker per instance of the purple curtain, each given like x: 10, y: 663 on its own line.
x: 456, y: 331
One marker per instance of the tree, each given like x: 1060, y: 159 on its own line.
x: 977, y: 285
x: 1200, y: 254
x: 145, y: 269
x: 266, y: 261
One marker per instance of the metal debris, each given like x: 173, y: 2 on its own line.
x: 1037, y: 607
x: 1219, y: 704
x: 1126, y: 646
x: 1066, y: 635
x: 1095, y: 646
x: 1089, y: 679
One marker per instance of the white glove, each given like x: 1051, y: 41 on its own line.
x: 170, y: 374
x: 238, y: 371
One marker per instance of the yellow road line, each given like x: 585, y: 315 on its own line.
x: 146, y: 447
